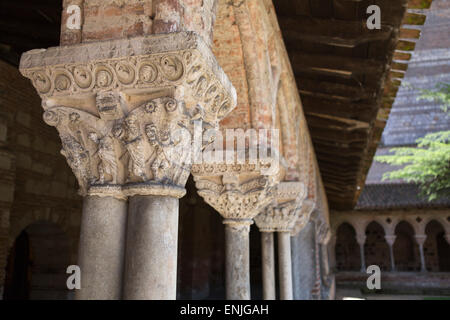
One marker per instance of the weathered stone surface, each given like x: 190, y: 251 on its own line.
x: 268, y: 265
x: 237, y: 260
x: 125, y: 109
x: 235, y: 195
x: 151, y: 249
x: 285, y: 265
x: 102, y: 248
x: 282, y: 214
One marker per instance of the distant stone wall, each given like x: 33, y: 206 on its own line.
x: 36, y: 183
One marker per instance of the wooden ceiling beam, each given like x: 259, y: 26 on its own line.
x: 332, y: 32
x: 334, y: 90
x: 362, y: 111
x: 340, y: 66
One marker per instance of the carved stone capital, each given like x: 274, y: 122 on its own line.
x: 390, y: 239
x: 361, y: 238
x: 282, y: 213
x: 238, y: 192
x: 125, y: 109
x: 304, y: 216
x: 420, y: 239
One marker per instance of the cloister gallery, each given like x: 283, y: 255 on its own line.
x: 95, y: 172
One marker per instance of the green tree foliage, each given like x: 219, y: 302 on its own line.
x: 441, y: 95
x: 428, y: 164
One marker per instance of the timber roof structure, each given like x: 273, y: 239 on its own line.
x: 348, y: 77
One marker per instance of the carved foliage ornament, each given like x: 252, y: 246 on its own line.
x: 282, y: 214
x: 236, y: 198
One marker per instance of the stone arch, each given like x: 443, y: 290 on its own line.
x: 21, y: 220
x: 376, y: 249
x: 342, y: 221
x: 436, y: 248
x: 47, y: 256
x: 406, y: 250
x: 347, y: 249
x: 30, y: 218
x: 390, y: 223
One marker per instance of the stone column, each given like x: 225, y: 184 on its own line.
x: 280, y: 216
x: 303, y: 262
x: 238, y: 193
x: 101, y: 248
x: 152, y: 239
x: 390, y: 239
x: 361, y: 239
x: 420, y: 239
x: 126, y: 116
x: 237, y: 259
x: 268, y: 265
x: 285, y: 265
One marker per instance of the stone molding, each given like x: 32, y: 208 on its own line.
x: 121, y: 108
x: 283, y: 212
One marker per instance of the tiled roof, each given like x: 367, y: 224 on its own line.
x: 396, y: 196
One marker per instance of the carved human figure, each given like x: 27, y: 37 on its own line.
x: 159, y: 162
x: 78, y: 159
x: 129, y: 133
x: 107, y: 156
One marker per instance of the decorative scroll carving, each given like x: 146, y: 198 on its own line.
x: 192, y: 67
x: 125, y: 109
x: 282, y: 214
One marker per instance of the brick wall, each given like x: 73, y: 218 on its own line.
x: 115, y: 19
x: 43, y: 185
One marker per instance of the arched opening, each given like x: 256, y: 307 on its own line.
x: 18, y: 270
x: 436, y: 248
x: 376, y: 249
x: 201, y: 264
x: 347, y: 249
x: 406, y: 250
x: 37, y: 264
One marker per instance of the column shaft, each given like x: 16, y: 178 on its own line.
x: 391, y: 253
x: 237, y: 265
x: 268, y: 265
x: 285, y: 265
x: 363, y: 259
x: 101, y: 248
x: 423, y: 267
x: 151, y: 255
